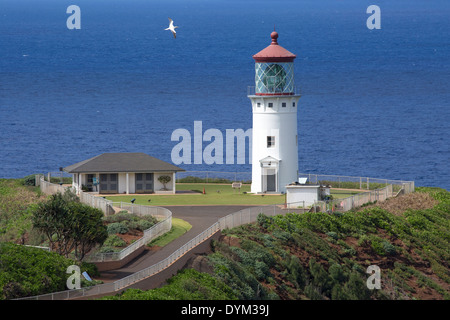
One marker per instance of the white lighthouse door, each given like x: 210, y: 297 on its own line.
x: 271, y: 180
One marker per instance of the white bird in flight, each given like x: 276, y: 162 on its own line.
x: 172, y: 28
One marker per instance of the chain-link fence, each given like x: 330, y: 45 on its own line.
x: 164, y: 217
x: 249, y: 215
x: 86, y: 198
x: 361, y: 183
x: 230, y: 221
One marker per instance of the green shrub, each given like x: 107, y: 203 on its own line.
x: 264, y: 221
x: 144, y: 225
x: 389, y: 249
x: 119, y: 217
x: 117, y: 227
x: 27, y: 271
x: 29, y: 180
x: 114, y: 241
x: 377, y: 246
x: 332, y: 235
x: 188, y: 284
x: 131, y: 221
x: 108, y: 249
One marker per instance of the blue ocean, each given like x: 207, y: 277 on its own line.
x: 375, y: 102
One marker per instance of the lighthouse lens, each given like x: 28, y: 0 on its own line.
x: 274, y: 78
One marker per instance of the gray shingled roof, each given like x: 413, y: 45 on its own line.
x: 122, y: 162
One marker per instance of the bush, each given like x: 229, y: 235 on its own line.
x: 26, y: 271
x: 107, y: 249
x: 332, y: 235
x: 29, y: 180
x: 264, y: 221
x: 389, y: 249
x: 117, y: 227
x: 377, y: 246
x: 144, y: 225
x: 114, y: 241
x: 187, y: 284
x: 119, y: 217
x: 131, y: 221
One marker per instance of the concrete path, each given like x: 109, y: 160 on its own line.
x: 200, y: 217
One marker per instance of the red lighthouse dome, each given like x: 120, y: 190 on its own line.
x: 274, y: 52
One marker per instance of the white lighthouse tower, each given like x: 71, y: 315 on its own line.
x: 274, y: 106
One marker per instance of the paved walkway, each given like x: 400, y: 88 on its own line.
x: 200, y: 217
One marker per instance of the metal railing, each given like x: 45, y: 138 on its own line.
x: 251, y: 91
x: 96, y: 202
x: 241, y: 217
x: 355, y: 182
x: 360, y: 199
x: 86, y: 198
x: 107, y: 206
x: 164, y: 225
x: 235, y: 219
x: 48, y: 187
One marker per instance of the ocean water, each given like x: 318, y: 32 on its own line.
x: 374, y: 103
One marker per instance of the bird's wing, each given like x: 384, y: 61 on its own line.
x: 174, y: 34
x: 171, y: 22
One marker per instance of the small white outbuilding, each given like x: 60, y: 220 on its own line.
x: 304, y: 195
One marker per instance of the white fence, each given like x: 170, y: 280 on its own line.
x: 354, y: 182
x: 47, y: 187
x: 233, y: 220
x: 241, y: 217
x: 86, y: 198
x: 164, y: 225
x: 360, y: 199
x: 107, y: 206
x: 96, y: 202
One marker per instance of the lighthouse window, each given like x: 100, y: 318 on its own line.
x: 283, y: 104
x: 270, y: 105
x: 270, y: 141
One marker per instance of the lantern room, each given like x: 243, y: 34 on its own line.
x: 274, y: 70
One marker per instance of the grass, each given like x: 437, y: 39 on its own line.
x: 215, y: 194
x: 179, y: 227
x: 341, y: 194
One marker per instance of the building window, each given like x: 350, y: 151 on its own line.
x: 270, y: 141
x: 283, y: 104
x: 90, y: 178
x: 258, y: 104
x: 293, y: 104
x: 270, y: 105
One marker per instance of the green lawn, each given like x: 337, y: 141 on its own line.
x: 179, y: 227
x: 215, y: 194
x: 341, y: 194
